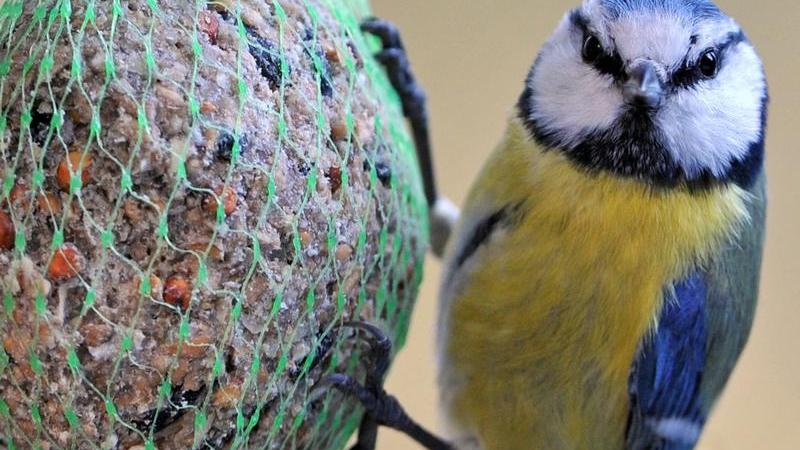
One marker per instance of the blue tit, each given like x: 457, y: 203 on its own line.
x: 601, y: 280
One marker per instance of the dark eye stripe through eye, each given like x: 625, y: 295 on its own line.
x: 610, y: 65
x: 592, y: 49
x: 607, y: 63
x: 709, y: 63
x: 692, y: 73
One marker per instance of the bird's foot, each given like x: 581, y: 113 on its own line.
x: 393, y: 57
x: 381, y: 408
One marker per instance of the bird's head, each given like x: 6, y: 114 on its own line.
x: 669, y: 92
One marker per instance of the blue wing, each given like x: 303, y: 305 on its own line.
x: 666, y: 411
x: 682, y: 368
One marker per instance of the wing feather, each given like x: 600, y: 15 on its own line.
x: 681, y: 369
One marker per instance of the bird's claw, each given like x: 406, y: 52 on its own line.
x: 394, y: 58
x: 371, y: 394
x: 382, y: 409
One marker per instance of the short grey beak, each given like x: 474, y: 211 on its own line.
x: 644, y: 87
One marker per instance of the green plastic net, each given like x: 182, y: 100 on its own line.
x: 194, y: 196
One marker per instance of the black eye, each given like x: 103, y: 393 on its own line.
x: 708, y: 63
x: 592, y: 50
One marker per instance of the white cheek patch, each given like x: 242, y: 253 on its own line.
x: 704, y: 127
x: 714, y: 122
x: 571, y: 99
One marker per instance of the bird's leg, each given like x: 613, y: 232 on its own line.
x: 382, y: 409
x: 443, y: 214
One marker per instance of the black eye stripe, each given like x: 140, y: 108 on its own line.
x: 611, y: 65
x: 608, y: 63
x: 689, y: 73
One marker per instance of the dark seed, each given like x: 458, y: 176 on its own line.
x: 384, y: 173
x: 382, y: 170
x: 230, y: 362
x: 324, y: 78
x: 40, y: 124
x: 225, y: 144
x: 225, y: 15
x: 286, y: 250
x: 324, y: 71
x: 266, y: 57
x: 325, y: 87
x: 172, y: 411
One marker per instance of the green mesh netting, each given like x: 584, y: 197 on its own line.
x: 194, y: 195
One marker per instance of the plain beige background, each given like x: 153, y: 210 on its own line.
x: 472, y: 55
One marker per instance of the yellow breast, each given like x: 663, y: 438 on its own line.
x: 543, y: 323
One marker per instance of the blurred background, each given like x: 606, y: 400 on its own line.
x: 471, y: 56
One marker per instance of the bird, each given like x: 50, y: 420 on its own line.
x: 601, y: 278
